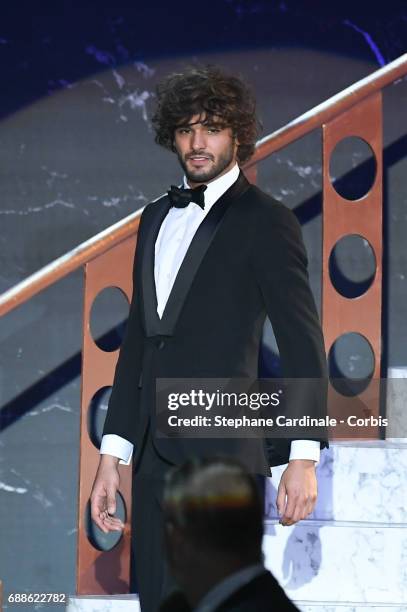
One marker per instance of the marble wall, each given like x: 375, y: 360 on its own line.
x: 351, y: 553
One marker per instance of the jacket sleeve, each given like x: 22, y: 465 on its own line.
x: 280, y: 263
x: 121, y: 418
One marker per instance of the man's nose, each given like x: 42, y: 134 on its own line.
x: 198, y: 141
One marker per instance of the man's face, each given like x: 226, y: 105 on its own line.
x: 205, y: 150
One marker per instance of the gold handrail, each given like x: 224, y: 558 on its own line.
x: 328, y: 110
x: 71, y: 261
x: 293, y: 130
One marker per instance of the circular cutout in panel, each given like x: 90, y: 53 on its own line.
x: 99, y: 539
x: 97, y: 414
x: 351, y: 364
x: 352, y: 266
x: 108, y: 318
x: 352, y: 168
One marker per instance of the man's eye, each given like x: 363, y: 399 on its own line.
x: 213, y: 129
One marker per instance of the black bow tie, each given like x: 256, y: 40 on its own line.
x: 182, y: 197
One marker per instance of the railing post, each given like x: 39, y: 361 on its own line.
x: 341, y: 315
x: 101, y: 572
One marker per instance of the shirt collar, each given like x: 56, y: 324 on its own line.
x: 222, y: 591
x: 216, y: 188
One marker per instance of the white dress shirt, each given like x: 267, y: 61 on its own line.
x: 173, y: 240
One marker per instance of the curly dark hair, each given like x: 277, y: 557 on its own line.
x: 207, y: 90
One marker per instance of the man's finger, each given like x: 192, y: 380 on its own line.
x: 281, y: 497
x: 97, y: 505
x: 98, y: 520
x: 310, y: 505
x: 113, y: 523
x: 111, y: 501
x: 298, y: 512
x: 108, y: 523
x: 303, y: 508
x: 290, y: 508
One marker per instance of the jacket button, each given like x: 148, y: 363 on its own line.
x: 161, y: 345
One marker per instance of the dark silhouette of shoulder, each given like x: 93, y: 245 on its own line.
x: 262, y: 594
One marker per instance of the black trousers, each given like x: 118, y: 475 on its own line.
x: 150, y: 576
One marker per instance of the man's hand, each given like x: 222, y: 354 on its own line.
x: 103, y: 496
x: 299, y: 484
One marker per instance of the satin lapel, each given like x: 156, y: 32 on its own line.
x: 151, y: 318
x: 196, y: 252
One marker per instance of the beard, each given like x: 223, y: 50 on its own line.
x: 201, y: 175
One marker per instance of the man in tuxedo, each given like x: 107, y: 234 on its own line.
x: 213, y: 259
x: 213, y: 525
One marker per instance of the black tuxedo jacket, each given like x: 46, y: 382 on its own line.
x: 246, y: 261
x: 262, y: 594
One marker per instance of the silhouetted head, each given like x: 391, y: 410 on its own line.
x: 213, y: 516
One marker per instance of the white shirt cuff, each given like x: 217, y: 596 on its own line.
x: 117, y: 447
x: 305, y: 449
